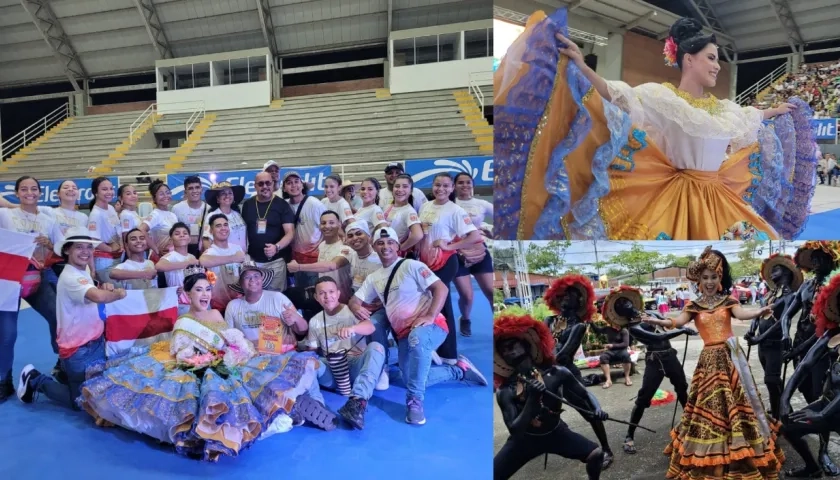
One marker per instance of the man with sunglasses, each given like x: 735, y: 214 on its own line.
x: 270, y: 224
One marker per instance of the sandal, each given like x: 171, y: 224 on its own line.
x: 629, y: 383
x: 606, y: 385
x: 629, y: 446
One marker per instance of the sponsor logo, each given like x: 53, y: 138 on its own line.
x: 425, y: 273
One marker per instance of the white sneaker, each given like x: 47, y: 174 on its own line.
x: 384, y: 381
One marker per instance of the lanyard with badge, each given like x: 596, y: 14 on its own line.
x: 262, y: 224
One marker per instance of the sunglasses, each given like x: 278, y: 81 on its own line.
x: 266, y: 183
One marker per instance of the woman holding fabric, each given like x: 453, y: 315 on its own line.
x: 581, y: 157
x: 724, y: 431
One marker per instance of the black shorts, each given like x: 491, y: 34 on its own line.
x: 615, y: 356
x: 516, y: 452
x: 484, y: 266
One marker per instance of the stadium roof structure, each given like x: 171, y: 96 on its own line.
x: 59, y: 40
x: 742, y: 26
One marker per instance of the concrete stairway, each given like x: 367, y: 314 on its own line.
x: 82, y: 144
x: 136, y: 160
x: 354, y: 128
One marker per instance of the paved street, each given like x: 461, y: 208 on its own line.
x: 649, y: 463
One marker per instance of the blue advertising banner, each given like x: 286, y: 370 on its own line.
x: 49, y: 191
x: 316, y: 175
x: 424, y: 171
x: 825, y: 128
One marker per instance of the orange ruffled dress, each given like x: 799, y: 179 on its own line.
x: 651, y: 163
x: 724, y: 432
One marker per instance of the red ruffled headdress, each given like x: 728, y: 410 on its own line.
x: 827, y: 308
x: 526, y: 328
x: 558, y: 289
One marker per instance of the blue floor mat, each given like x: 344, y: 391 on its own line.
x: 822, y: 226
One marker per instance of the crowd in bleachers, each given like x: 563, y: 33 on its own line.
x: 818, y: 84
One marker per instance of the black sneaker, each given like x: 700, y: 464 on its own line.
x: 466, y: 327
x: 25, y: 390
x: 59, y: 374
x: 7, y: 389
x: 314, y: 412
x: 354, y: 412
x: 414, y: 412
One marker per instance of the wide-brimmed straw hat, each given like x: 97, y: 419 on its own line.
x: 785, y: 261
x: 248, y: 266
x: 211, y: 195
x: 624, y: 291
x: 803, y: 254
x: 76, y: 235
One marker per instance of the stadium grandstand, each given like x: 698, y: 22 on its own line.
x: 770, y: 51
x: 138, y: 91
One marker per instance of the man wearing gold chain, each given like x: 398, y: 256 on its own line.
x: 580, y: 157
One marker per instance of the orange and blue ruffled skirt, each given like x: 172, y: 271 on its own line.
x: 570, y: 165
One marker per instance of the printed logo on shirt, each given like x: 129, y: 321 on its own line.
x: 412, y: 218
x: 84, y: 281
x: 425, y: 273
x: 125, y: 224
x: 91, y: 227
x: 380, y: 216
x: 345, y: 251
x: 467, y: 220
x: 348, y: 212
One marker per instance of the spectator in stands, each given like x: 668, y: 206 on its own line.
x: 348, y: 191
x: 104, y: 224
x: 223, y: 259
x: 35, y: 288
x: 172, y: 264
x: 402, y: 216
x: 335, y: 202
x: 192, y: 211
x: 135, y: 273
x: 129, y: 218
x: 371, y: 212
x: 447, y: 228
x: 225, y: 198
x: 392, y: 171
x: 413, y: 298
x: 479, y: 211
x: 307, y: 219
x: 158, y: 224
x: 270, y: 223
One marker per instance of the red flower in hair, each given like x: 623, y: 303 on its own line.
x: 558, y: 289
x: 821, y: 306
x: 670, y: 52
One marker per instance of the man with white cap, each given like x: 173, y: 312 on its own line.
x: 392, y: 171
x: 413, y: 298
x: 80, y: 329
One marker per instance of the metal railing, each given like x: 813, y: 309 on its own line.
x: 148, y: 112
x: 765, y: 82
x: 476, y: 81
x: 30, y: 133
x: 196, y: 116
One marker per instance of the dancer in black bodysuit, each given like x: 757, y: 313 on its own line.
x: 821, y: 416
x: 523, y: 370
x: 819, y: 257
x: 784, y: 279
x: 572, y: 298
x: 622, y: 307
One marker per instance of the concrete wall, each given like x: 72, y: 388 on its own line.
x: 222, y: 97
x: 118, y: 107
x: 334, y: 87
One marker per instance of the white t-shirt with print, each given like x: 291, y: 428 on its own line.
x: 245, y: 316
x: 77, y: 317
x: 105, y: 224
x: 342, y: 208
x: 409, y: 295
x: 334, y: 323
x: 193, y: 217
x: 159, y: 223
x: 225, y: 274
x: 130, y: 220
x: 65, y: 220
x: 401, y: 219
x: 238, y: 229
x: 386, y: 197
x: 361, y: 268
x: 307, y: 231
x: 343, y: 276
x: 17, y: 220
x: 442, y: 222
x: 137, y: 283
x: 478, y: 209
x: 175, y: 278
x: 371, y: 214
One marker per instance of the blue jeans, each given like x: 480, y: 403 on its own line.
x: 364, y: 371
x: 8, y: 336
x: 75, y: 367
x: 380, y: 335
x: 415, y: 352
x: 43, y: 301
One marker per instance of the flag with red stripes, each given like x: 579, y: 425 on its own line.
x: 143, y: 317
x: 15, y: 251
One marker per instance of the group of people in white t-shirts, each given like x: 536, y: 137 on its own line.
x: 330, y: 271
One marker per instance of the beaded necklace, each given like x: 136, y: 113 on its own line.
x: 709, y: 103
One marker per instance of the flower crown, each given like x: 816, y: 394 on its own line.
x: 708, y: 260
x: 670, y: 52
